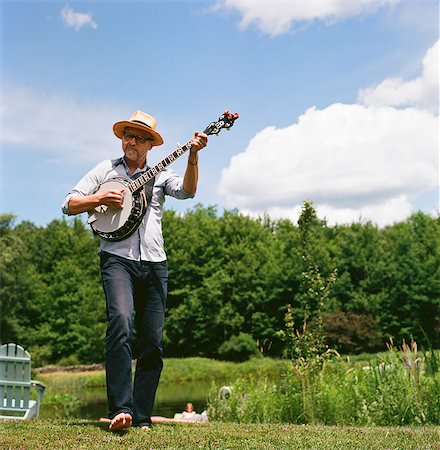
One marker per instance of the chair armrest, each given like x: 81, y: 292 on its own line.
x: 39, y: 385
x: 41, y: 388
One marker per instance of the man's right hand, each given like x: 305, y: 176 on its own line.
x: 80, y: 204
x: 113, y: 197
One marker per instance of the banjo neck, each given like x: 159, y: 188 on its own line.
x: 226, y: 120
x: 137, y: 184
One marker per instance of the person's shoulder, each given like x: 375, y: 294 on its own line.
x: 108, y: 164
x: 114, y: 162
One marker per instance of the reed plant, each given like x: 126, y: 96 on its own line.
x: 396, y: 389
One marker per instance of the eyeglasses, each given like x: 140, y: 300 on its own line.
x: 138, y: 139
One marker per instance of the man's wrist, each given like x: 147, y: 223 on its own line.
x: 193, y: 159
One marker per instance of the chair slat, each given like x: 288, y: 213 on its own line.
x: 2, y: 372
x: 9, y: 375
x: 27, y: 379
x: 18, y: 391
x: 14, y: 383
x: 19, y: 351
x: 25, y: 396
x: 12, y: 350
x: 27, y: 371
x: 13, y: 358
x: 2, y: 368
x: 9, y: 395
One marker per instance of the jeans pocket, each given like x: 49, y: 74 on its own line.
x: 103, y: 258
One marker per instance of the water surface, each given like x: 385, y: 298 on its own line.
x: 171, y: 398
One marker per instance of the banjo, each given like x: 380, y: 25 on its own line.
x: 115, y: 224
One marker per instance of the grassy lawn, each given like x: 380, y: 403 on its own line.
x: 175, y: 370
x: 83, y: 434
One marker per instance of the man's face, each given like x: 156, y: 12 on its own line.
x: 134, y: 149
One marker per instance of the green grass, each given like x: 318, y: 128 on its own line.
x: 175, y: 370
x: 191, y: 369
x: 82, y: 434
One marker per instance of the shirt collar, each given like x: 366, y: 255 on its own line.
x: 121, y: 160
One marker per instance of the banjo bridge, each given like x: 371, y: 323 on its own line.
x: 102, y: 209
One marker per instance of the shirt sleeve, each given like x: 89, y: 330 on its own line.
x: 88, y: 183
x: 173, y: 185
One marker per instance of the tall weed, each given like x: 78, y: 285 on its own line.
x: 395, y: 389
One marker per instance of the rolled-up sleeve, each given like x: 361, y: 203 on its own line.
x: 174, y: 186
x: 65, y: 204
x: 88, y: 184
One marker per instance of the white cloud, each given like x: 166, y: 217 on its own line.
x: 72, y: 130
x: 77, y: 19
x: 277, y: 17
x: 354, y: 161
x: 422, y: 92
x: 393, y: 210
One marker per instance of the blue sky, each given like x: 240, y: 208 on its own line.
x: 338, y: 100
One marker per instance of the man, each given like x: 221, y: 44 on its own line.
x: 134, y: 270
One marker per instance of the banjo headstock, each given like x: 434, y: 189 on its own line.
x: 226, y: 120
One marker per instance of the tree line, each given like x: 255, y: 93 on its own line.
x: 232, y: 279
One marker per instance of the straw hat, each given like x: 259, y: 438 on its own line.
x: 141, y: 121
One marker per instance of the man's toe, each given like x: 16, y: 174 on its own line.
x: 120, y: 422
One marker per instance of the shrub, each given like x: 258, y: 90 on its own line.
x: 350, y: 333
x: 248, y: 401
x: 239, y: 348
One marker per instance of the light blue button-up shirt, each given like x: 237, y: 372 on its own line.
x: 146, y: 243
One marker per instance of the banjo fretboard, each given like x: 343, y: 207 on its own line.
x: 153, y: 171
x: 226, y: 120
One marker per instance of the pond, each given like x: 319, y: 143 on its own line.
x: 91, y: 403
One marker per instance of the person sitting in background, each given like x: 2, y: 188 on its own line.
x: 189, y: 413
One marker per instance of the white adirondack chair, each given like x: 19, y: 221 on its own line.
x: 16, y: 384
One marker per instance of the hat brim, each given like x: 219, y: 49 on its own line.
x: 119, y: 127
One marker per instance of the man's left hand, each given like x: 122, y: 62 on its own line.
x: 199, y: 141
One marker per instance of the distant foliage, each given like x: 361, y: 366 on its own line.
x: 351, y: 333
x: 238, y: 348
x: 51, y: 295
x: 229, y: 274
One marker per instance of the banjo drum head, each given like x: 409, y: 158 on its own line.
x: 110, y: 219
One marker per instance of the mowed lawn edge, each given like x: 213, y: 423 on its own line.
x: 87, y: 434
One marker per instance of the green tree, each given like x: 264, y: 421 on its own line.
x: 19, y: 282
x: 230, y: 275
x: 412, y: 304
x: 52, y: 302
x: 305, y: 340
x: 222, y: 273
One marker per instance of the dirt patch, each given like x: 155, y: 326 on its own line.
x: 70, y: 369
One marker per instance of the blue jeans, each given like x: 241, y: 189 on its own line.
x: 135, y: 293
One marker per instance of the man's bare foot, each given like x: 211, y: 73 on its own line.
x: 120, y: 422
